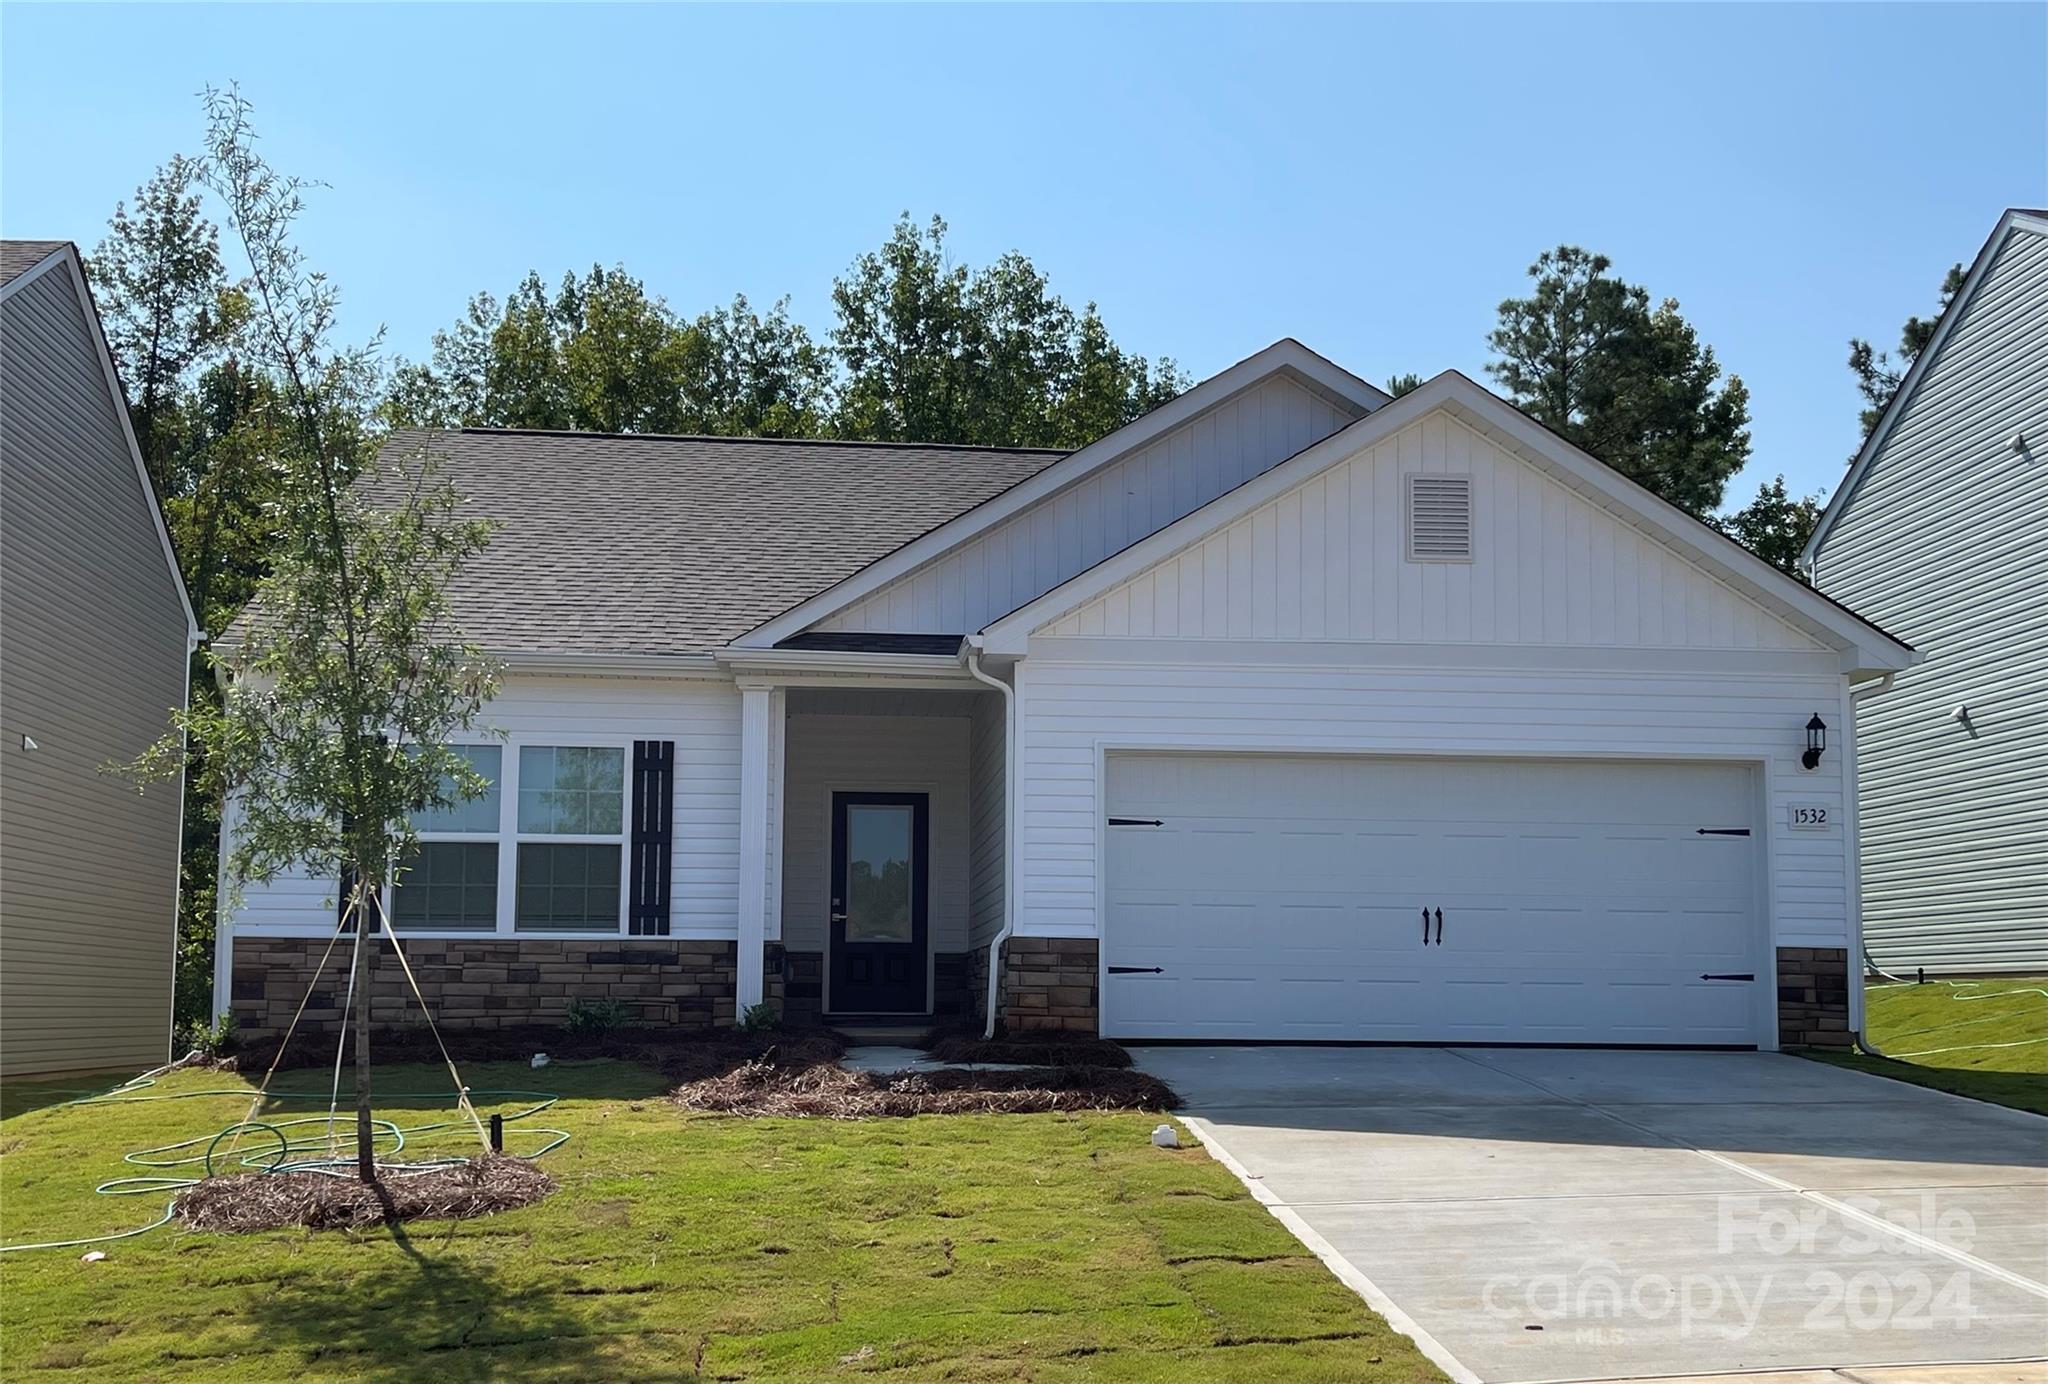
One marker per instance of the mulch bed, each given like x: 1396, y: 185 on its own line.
x: 682, y: 1054
x: 1031, y: 1049
x: 270, y: 1201
x: 826, y: 1091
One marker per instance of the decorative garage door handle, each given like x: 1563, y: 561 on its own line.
x: 1439, y: 927
x: 1137, y: 970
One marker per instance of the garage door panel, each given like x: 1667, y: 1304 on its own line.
x: 1282, y: 897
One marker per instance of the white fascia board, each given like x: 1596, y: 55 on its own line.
x: 68, y: 257
x: 1480, y: 409
x: 608, y: 665
x: 787, y: 665
x: 1286, y: 356
x: 1902, y: 397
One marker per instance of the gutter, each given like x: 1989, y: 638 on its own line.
x: 1860, y: 955
x: 1011, y: 828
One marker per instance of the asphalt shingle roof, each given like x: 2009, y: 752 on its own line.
x: 17, y: 257
x: 668, y: 545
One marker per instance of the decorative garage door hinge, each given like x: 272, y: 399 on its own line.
x: 1737, y: 975
x: 1136, y: 822
x: 1722, y: 831
x: 1137, y: 970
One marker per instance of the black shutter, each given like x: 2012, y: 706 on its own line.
x: 650, y: 868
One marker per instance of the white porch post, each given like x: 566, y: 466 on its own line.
x: 756, y: 723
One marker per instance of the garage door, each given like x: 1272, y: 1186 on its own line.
x: 1296, y: 898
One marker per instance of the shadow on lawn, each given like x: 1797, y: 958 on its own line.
x: 440, y: 1315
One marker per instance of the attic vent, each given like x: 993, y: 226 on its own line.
x: 1439, y: 518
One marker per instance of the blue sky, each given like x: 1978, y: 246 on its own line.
x: 1371, y: 179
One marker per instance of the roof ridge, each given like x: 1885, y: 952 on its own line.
x: 766, y: 441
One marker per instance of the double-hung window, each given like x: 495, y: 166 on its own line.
x: 451, y: 883
x: 570, y: 839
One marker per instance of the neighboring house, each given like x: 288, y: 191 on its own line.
x: 1288, y: 711
x: 95, y: 639
x: 1940, y: 531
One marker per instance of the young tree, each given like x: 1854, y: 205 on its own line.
x: 1878, y: 375
x: 1773, y: 525
x: 349, y: 678
x: 167, y: 304
x: 1588, y: 356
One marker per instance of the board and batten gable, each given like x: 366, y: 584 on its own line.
x: 1302, y: 626
x: 97, y: 636
x: 1942, y: 535
x: 1032, y: 552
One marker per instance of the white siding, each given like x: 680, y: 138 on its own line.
x: 93, y: 661
x: 1944, y: 542
x: 1074, y: 709
x: 910, y: 754
x: 1073, y: 530
x: 703, y: 718
x: 1327, y: 560
x: 986, y: 842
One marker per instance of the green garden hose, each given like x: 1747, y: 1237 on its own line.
x: 279, y: 1150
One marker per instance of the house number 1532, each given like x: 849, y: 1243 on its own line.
x: 1809, y: 817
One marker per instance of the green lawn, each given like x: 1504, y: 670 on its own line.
x: 1007, y: 1247
x: 1994, y: 1048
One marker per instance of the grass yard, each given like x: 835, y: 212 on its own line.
x: 1994, y: 1048
x: 986, y: 1247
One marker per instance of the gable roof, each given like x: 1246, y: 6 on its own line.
x: 639, y: 544
x: 17, y: 257
x: 2016, y: 219
x: 23, y: 262
x: 1284, y: 357
x: 1864, y: 644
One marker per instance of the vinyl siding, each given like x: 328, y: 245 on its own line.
x: 1076, y: 708
x: 703, y: 718
x: 1071, y: 531
x: 986, y: 816
x: 1327, y: 560
x: 911, y: 754
x: 93, y: 661
x: 1944, y: 541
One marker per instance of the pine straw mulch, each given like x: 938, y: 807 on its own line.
x: 681, y: 1054
x: 1030, y: 1049
x: 827, y: 1091
x: 243, y: 1202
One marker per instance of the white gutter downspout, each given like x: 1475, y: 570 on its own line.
x: 1859, y: 956
x: 1010, y: 830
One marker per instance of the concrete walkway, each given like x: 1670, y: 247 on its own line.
x: 1541, y: 1215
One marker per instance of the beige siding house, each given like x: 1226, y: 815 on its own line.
x: 1940, y: 532
x: 95, y: 633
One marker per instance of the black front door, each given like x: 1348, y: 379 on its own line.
x: 881, y: 886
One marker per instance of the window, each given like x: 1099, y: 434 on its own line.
x: 1439, y: 518
x: 570, y: 838
x: 451, y: 882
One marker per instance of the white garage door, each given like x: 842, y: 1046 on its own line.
x: 1271, y: 897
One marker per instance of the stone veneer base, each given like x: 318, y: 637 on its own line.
x: 489, y: 982
x: 1813, y: 997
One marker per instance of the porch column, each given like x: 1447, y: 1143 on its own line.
x: 757, y: 705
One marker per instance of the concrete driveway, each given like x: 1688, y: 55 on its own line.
x: 1543, y: 1214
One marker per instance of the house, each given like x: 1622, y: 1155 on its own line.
x: 1289, y: 711
x: 1940, y: 531
x: 95, y: 639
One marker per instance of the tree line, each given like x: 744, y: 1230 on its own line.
x: 921, y: 348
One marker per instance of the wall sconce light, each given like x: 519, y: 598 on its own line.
x: 1816, y: 741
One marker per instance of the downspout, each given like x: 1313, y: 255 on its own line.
x: 1010, y: 833
x: 1859, y: 954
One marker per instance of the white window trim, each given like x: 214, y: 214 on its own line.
x: 508, y: 837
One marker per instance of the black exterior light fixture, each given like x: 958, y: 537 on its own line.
x: 1816, y: 741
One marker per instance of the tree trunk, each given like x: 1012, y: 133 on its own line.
x: 366, y: 938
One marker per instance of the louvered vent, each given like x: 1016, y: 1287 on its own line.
x: 1439, y: 518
